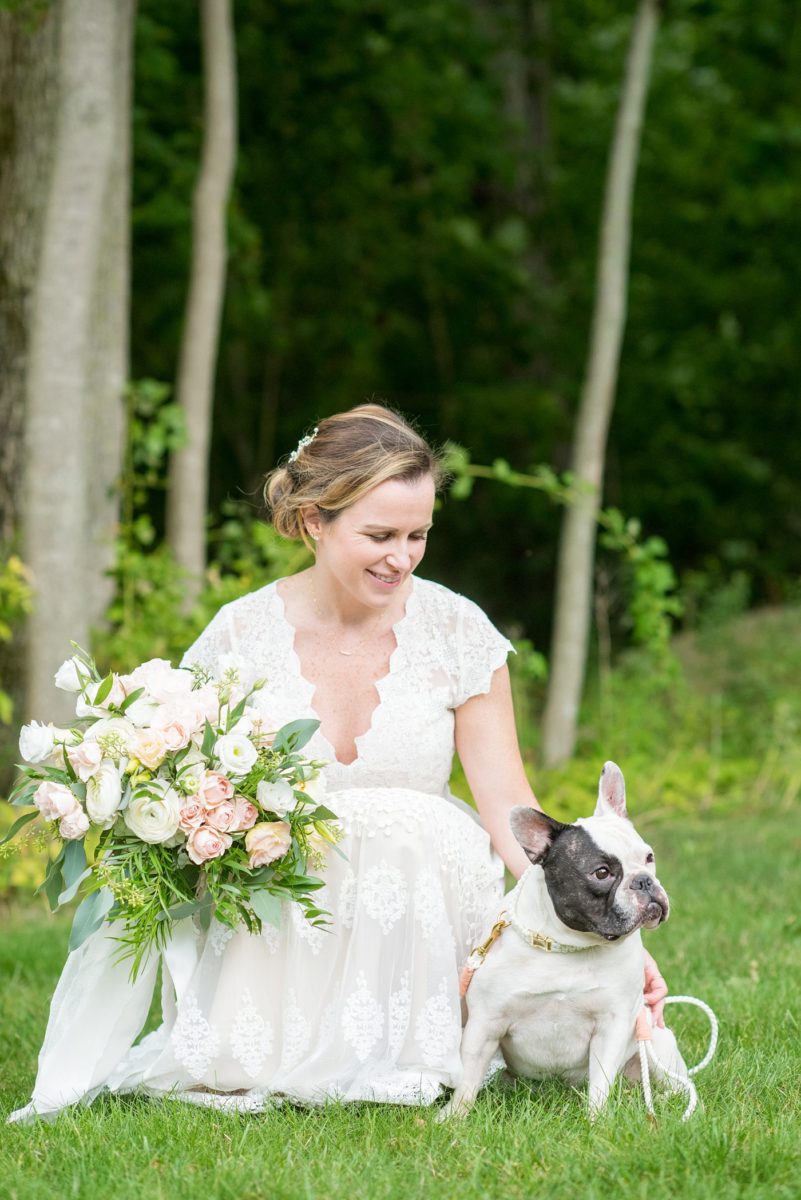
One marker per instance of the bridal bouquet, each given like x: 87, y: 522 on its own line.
x: 169, y: 799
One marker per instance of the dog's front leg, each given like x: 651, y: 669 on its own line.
x: 607, y: 1053
x: 480, y: 1040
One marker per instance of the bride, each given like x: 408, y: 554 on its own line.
x: 400, y: 672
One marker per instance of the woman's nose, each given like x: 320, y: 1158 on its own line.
x: 400, y: 558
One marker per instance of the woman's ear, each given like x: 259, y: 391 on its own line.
x: 311, y: 519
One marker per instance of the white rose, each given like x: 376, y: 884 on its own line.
x: 141, y: 712
x: 36, y: 742
x: 104, y: 794
x: 161, y: 681
x: 154, y: 813
x: 69, y: 676
x: 276, y: 797
x: 236, y: 754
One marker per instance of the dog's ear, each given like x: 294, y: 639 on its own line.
x: 534, y: 830
x: 611, y: 792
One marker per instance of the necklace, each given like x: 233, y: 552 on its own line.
x: 362, y: 640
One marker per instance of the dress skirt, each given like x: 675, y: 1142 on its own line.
x: 367, y: 1009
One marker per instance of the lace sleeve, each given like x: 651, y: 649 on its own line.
x: 212, y: 642
x: 481, y: 650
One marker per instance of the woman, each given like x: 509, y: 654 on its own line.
x: 400, y: 672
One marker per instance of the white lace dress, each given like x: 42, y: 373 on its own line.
x: 369, y: 1010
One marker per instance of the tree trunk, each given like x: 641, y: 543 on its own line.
x: 189, y: 468
x: 577, y: 544
x: 77, y: 344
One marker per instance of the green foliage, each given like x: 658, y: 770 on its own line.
x: 15, y: 602
x: 652, y: 599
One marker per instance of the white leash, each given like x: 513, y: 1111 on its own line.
x: 646, y: 1049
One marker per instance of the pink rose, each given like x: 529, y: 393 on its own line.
x: 54, y: 800
x: 267, y: 842
x: 246, y: 815
x: 85, y: 759
x: 175, y: 734
x: 222, y: 816
x: 214, y: 789
x: 193, y: 815
x: 205, y: 843
x: 74, y: 825
x: 149, y: 746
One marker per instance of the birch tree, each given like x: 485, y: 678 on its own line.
x: 189, y: 468
x: 572, y: 608
x: 76, y: 361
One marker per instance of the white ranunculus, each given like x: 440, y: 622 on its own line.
x: 315, y: 788
x: 36, y: 742
x: 104, y: 794
x: 276, y: 797
x: 154, y: 812
x: 236, y: 754
x: 69, y: 676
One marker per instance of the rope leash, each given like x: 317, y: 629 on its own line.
x: 646, y: 1052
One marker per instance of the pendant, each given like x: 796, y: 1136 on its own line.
x: 347, y: 653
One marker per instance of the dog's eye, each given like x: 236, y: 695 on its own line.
x: 602, y: 873
x: 649, y: 858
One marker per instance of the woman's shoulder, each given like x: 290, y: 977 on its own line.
x: 438, y: 598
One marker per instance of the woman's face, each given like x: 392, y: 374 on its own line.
x: 372, y: 547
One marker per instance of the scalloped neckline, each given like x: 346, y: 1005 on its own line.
x: 378, y: 684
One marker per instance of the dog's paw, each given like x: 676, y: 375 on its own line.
x: 453, y: 1109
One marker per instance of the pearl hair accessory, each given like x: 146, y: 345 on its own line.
x: 303, y: 443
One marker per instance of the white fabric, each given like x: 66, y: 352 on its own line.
x: 369, y: 1010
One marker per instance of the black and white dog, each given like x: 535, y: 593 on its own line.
x: 560, y: 992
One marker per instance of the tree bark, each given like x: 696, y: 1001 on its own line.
x: 189, y: 468
x: 577, y: 544
x: 77, y: 345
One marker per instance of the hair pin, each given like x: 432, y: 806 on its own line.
x: 303, y: 443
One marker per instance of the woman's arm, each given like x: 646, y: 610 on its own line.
x: 486, y: 742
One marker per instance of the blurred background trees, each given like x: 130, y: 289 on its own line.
x: 414, y: 216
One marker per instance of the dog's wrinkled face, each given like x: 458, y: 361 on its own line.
x: 600, y: 874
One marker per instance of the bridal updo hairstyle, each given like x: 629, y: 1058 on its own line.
x: 350, y: 453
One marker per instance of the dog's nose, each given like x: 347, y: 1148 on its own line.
x: 642, y: 883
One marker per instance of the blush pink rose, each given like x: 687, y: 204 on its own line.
x: 205, y: 843
x: 267, y: 842
x: 74, y: 825
x: 176, y: 735
x: 54, y: 800
x: 214, y: 789
x: 85, y: 759
x: 193, y: 815
x: 149, y: 746
x: 246, y: 815
x: 222, y: 816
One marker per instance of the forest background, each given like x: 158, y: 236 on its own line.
x: 414, y: 217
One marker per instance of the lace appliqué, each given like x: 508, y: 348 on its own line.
x: 383, y: 895
x: 297, y: 1033
x: 362, y: 1019
x: 219, y: 937
x: 400, y: 1008
x: 429, y: 906
x: 195, y: 1042
x: 437, y: 1028
x: 346, y: 905
x: 251, y: 1036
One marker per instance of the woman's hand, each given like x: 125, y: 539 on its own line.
x: 655, y: 989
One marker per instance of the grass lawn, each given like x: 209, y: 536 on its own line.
x: 734, y: 940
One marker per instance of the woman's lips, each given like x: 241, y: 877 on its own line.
x: 385, y: 582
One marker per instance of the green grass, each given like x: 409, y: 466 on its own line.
x: 733, y: 939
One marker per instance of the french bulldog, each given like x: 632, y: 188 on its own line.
x: 567, y: 1005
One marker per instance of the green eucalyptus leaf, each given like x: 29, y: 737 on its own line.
x: 89, y: 916
x: 266, y: 907
x: 20, y: 823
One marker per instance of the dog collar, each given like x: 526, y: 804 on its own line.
x: 541, y: 941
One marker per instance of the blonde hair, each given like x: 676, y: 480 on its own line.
x: 350, y: 453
